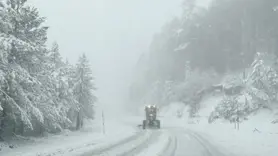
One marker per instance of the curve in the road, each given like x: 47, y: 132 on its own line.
x: 181, y: 141
x: 129, y: 146
x: 211, y: 150
x: 187, y: 142
x: 145, y: 144
x: 170, y: 148
x: 115, y: 145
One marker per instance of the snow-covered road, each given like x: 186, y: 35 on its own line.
x: 164, y: 142
x: 173, y: 139
x: 177, y: 137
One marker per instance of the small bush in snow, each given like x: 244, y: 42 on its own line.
x: 258, y: 90
x: 230, y: 108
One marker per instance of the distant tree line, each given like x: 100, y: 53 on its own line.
x: 225, y: 36
x: 210, y: 42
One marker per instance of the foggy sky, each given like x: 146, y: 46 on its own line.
x: 112, y: 33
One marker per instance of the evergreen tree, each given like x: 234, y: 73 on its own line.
x: 27, y: 35
x: 218, y: 37
x: 36, y: 87
x: 84, y: 88
x: 24, y: 39
x: 55, y: 56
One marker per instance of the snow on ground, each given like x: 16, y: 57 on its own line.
x: 257, y: 136
x: 208, y: 104
x: 71, y: 143
x: 156, y: 147
x: 246, y: 141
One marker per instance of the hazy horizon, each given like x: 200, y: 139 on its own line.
x: 110, y: 38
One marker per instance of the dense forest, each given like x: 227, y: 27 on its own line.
x: 232, y: 45
x: 39, y: 91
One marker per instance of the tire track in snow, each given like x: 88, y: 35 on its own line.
x: 159, y: 146
x: 101, y: 150
x: 185, y: 143
x: 209, y: 148
x: 127, y: 147
x: 145, y: 144
x: 170, y: 148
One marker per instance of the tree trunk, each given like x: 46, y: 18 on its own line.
x: 14, y: 128
x: 81, y: 123
x: 21, y: 131
x: 2, y: 123
x: 78, y: 121
x: 41, y: 129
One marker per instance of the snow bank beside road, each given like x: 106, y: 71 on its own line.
x: 256, y: 136
x: 243, y: 142
x: 68, y: 142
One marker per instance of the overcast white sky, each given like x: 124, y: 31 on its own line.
x: 112, y: 33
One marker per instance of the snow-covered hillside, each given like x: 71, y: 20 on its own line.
x: 257, y: 135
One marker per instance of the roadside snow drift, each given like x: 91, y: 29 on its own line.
x: 256, y: 136
x: 71, y: 143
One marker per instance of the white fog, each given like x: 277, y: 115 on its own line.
x: 85, y: 27
x: 138, y: 77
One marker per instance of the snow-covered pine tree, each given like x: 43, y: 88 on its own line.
x: 18, y: 93
x: 30, y: 90
x: 36, y: 86
x: 265, y: 75
x: 55, y: 56
x: 57, y: 94
x: 66, y: 99
x: 84, y: 88
x: 68, y: 93
x: 27, y: 35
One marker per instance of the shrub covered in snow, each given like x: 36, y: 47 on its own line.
x: 258, y: 89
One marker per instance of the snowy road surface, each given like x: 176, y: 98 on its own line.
x: 177, y: 137
x: 164, y: 142
x: 124, y: 138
